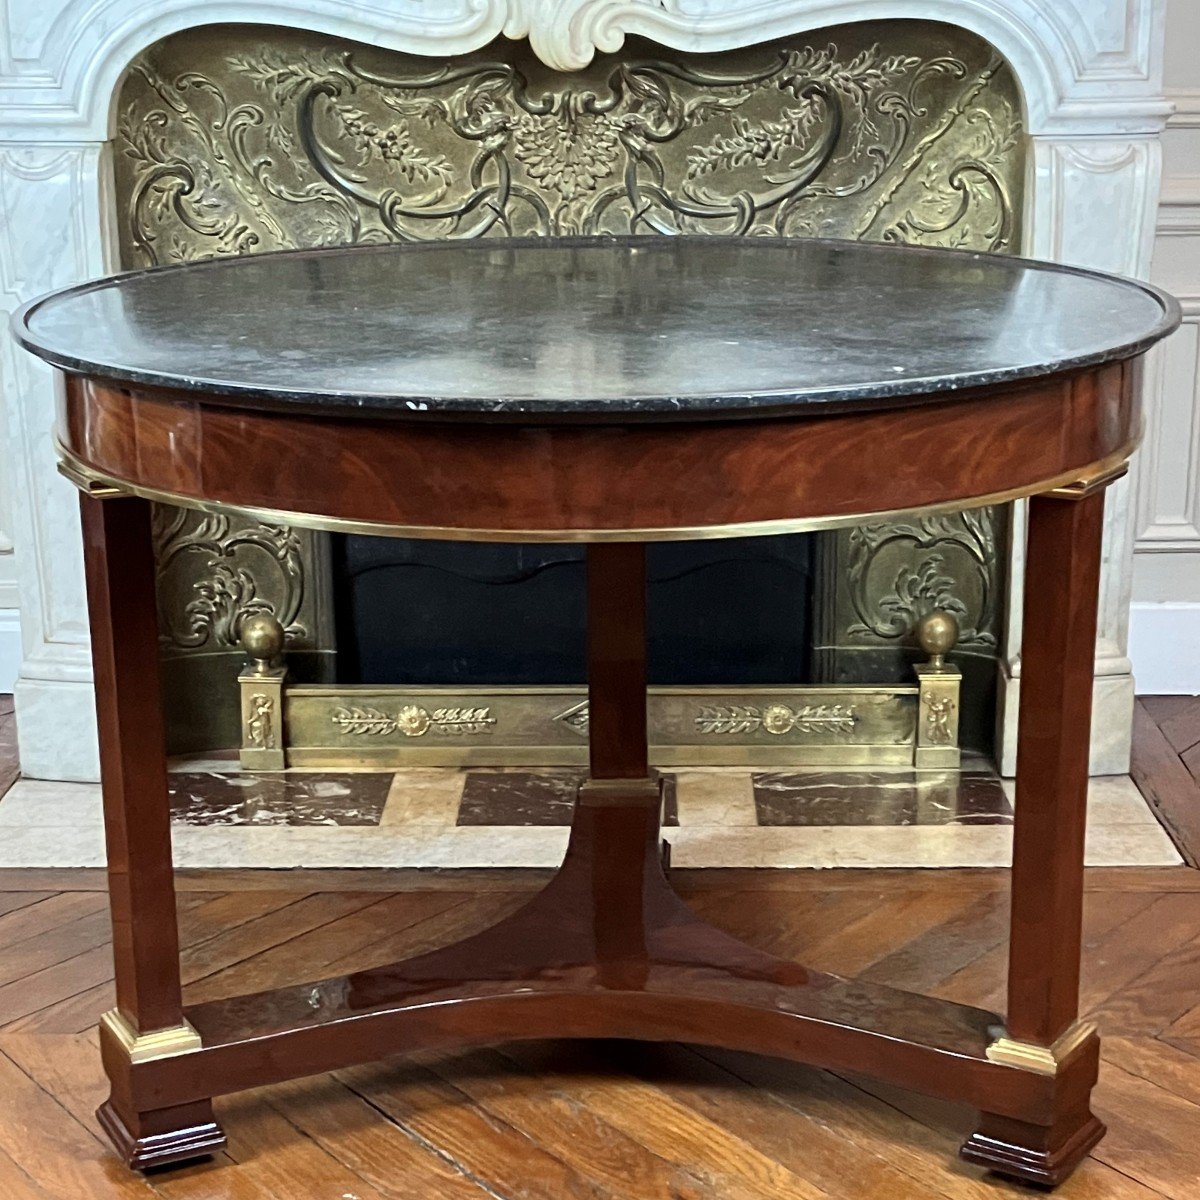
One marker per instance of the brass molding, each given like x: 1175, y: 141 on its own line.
x: 86, y: 481
x: 1042, y: 1060
x: 87, y: 478
x: 148, y: 1047
x: 619, y: 793
x: 1091, y: 482
x: 394, y: 726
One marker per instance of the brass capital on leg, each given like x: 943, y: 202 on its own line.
x: 1044, y: 1060
x: 1094, y: 481
x: 147, y: 1047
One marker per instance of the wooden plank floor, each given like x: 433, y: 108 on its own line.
x: 608, y: 1120
x: 1166, y: 766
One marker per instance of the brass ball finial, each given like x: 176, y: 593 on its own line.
x: 262, y: 638
x: 937, y: 635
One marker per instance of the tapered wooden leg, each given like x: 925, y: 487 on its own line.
x: 618, y: 816
x: 148, y: 1021
x: 1062, y: 580
x: 616, y: 632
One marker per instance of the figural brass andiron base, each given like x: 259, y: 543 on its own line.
x: 331, y: 725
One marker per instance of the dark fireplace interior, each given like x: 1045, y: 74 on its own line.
x: 719, y: 612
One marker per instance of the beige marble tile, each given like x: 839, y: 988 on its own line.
x: 52, y: 846
x: 843, y: 846
x: 311, y: 846
x: 1129, y: 846
x: 425, y: 797
x: 1112, y: 800
x: 59, y: 825
x: 901, y: 846
x: 1115, y: 800
x: 36, y: 802
x: 722, y: 797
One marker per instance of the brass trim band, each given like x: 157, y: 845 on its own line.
x: 148, y: 1047
x: 100, y: 485
x: 1042, y: 1060
x: 1091, y: 483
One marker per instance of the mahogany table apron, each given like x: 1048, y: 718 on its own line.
x: 608, y: 949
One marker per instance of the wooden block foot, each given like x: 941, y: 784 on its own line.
x: 162, y: 1137
x: 1039, y: 1154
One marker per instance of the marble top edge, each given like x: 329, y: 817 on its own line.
x: 746, y: 401
x: 18, y: 321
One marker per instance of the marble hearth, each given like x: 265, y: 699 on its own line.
x: 440, y: 818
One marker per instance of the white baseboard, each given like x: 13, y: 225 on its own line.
x: 10, y: 648
x: 1164, y: 644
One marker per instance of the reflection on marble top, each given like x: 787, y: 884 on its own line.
x: 880, y: 798
x: 599, y: 326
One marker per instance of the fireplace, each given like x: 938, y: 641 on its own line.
x: 239, y: 139
x: 1070, y: 171
x: 733, y: 611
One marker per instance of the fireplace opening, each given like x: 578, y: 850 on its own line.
x: 242, y: 139
x: 733, y: 612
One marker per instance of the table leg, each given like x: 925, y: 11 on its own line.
x: 608, y: 949
x: 616, y: 832
x: 1043, y: 1032
x: 148, y: 1022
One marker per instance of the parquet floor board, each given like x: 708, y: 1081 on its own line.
x: 920, y: 963
x: 478, y: 1140
x: 610, y: 1121
x: 9, y: 766
x: 1182, y: 727
x: 1166, y: 766
x: 607, y: 1120
x: 13, y: 901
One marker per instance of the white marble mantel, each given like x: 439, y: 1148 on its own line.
x: 1090, y: 70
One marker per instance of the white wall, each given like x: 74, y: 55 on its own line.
x: 10, y: 627
x: 1165, y: 623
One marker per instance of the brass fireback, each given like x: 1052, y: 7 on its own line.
x: 240, y: 139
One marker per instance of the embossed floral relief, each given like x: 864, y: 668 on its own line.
x: 895, y: 572
x: 233, y: 140
x: 213, y: 570
x: 240, y: 139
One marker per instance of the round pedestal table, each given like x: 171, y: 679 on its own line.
x: 610, y: 391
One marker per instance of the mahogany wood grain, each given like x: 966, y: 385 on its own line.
x: 608, y: 949
x: 583, y: 479
x: 645, y: 1120
x: 1062, y: 582
x: 546, y: 971
x: 616, y: 632
x: 119, y: 565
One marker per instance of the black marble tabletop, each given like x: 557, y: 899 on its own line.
x: 646, y: 326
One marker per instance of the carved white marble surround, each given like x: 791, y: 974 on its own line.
x: 1091, y: 72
